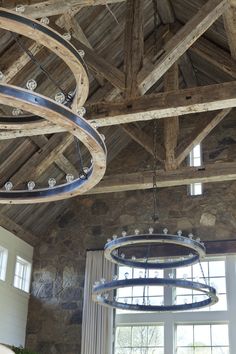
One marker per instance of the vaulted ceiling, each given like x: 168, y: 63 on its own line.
x: 167, y: 49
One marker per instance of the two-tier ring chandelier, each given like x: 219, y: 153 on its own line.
x: 33, y: 110
x: 121, y: 251
x: 142, y: 251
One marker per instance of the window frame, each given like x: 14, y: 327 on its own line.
x: 192, y: 188
x: 171, y: 320
x: 25, y: 278
x: 3, y: 263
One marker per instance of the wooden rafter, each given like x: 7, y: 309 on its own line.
x: 230, y: 26
x: 217, y: 172
x: 165, y: 11
x: 149, y: 107
x: 181, y: 42
x: 199, y: 134
x: 60, y: 160
x: 133, y: 46
x: 187, y: 71
x: 57, y: 7
x: 162, y: 105
x: 171, y: 124
x: 214, y: 55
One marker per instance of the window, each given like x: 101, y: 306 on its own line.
x: 195, y: 160
x: 3, y: 263
x: 202, y: 339
x: 211, y: 273
x: 22, y: 274
x: 209, y: 330
x: 140, y: 340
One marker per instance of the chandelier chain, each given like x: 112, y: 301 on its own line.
x: 202, y: 271
x: 155, y: 200
x: 37, y: 63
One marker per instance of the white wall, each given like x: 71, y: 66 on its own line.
x: 13, y: 302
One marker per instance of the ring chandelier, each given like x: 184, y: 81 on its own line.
x: 106, y: 292
x: 43, y: 109
x: 59, y: 45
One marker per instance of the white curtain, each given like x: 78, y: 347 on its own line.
x: 97, y: 324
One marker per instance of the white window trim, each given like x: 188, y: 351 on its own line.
x: 170, y: 320
x: 27, y: 277
x: 3, y: 268
x: 192, y: 186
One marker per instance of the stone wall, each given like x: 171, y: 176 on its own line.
x: 55, y: 312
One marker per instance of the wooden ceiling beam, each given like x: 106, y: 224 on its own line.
x: 57, y: 7
x: 171, y: 124
x: 181, y: 42
x: 70, y: 23
x: 98, y: 64
x: 60, y: 160
x: 230, y: 26
x: 217, y: 172
x: 149, y: 107
x: 163, y: 105
x: 199, y: 134
x: 165, y: 11
x: 215, y: 56
x: 187, y: 71
x: 133, y: 46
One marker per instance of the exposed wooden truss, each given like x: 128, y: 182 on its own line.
x: 181, y: 42
x: 217, y: 172
x: 230, y: 26
x: 137, y: 78
x: 55, y: 7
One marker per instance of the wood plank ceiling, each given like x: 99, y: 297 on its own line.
x: 133, y: 48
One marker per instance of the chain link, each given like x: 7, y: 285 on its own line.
x: 200, y: 264
x: 40, y: 66
x: 155, y: 199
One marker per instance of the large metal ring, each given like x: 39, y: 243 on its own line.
x: 77, y: 126
x: 112, y: 249
x: 110, y: 301
x: 33, y: 29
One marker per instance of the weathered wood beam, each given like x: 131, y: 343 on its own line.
x: 133, y: 46
x: 60, y: 160
x: 100, y: 65
x: 217, y: 172
x: 199, y: 134
x: 230, y: 26
x: 179, y: 44
x: 171, y: 124
x: 149, y: 107
x: 42, y: 159
x: 215, y: 56
x: 70, y: 23
x: 143, y: 139
x: 162, y: 105
x: 57, y: 7
x: 187, y: 71
x: 165, y: 11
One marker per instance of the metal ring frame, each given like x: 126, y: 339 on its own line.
x: 79, y: 127
x: 9, y: 20
x: 151, y: 239
x: 99, y: 290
